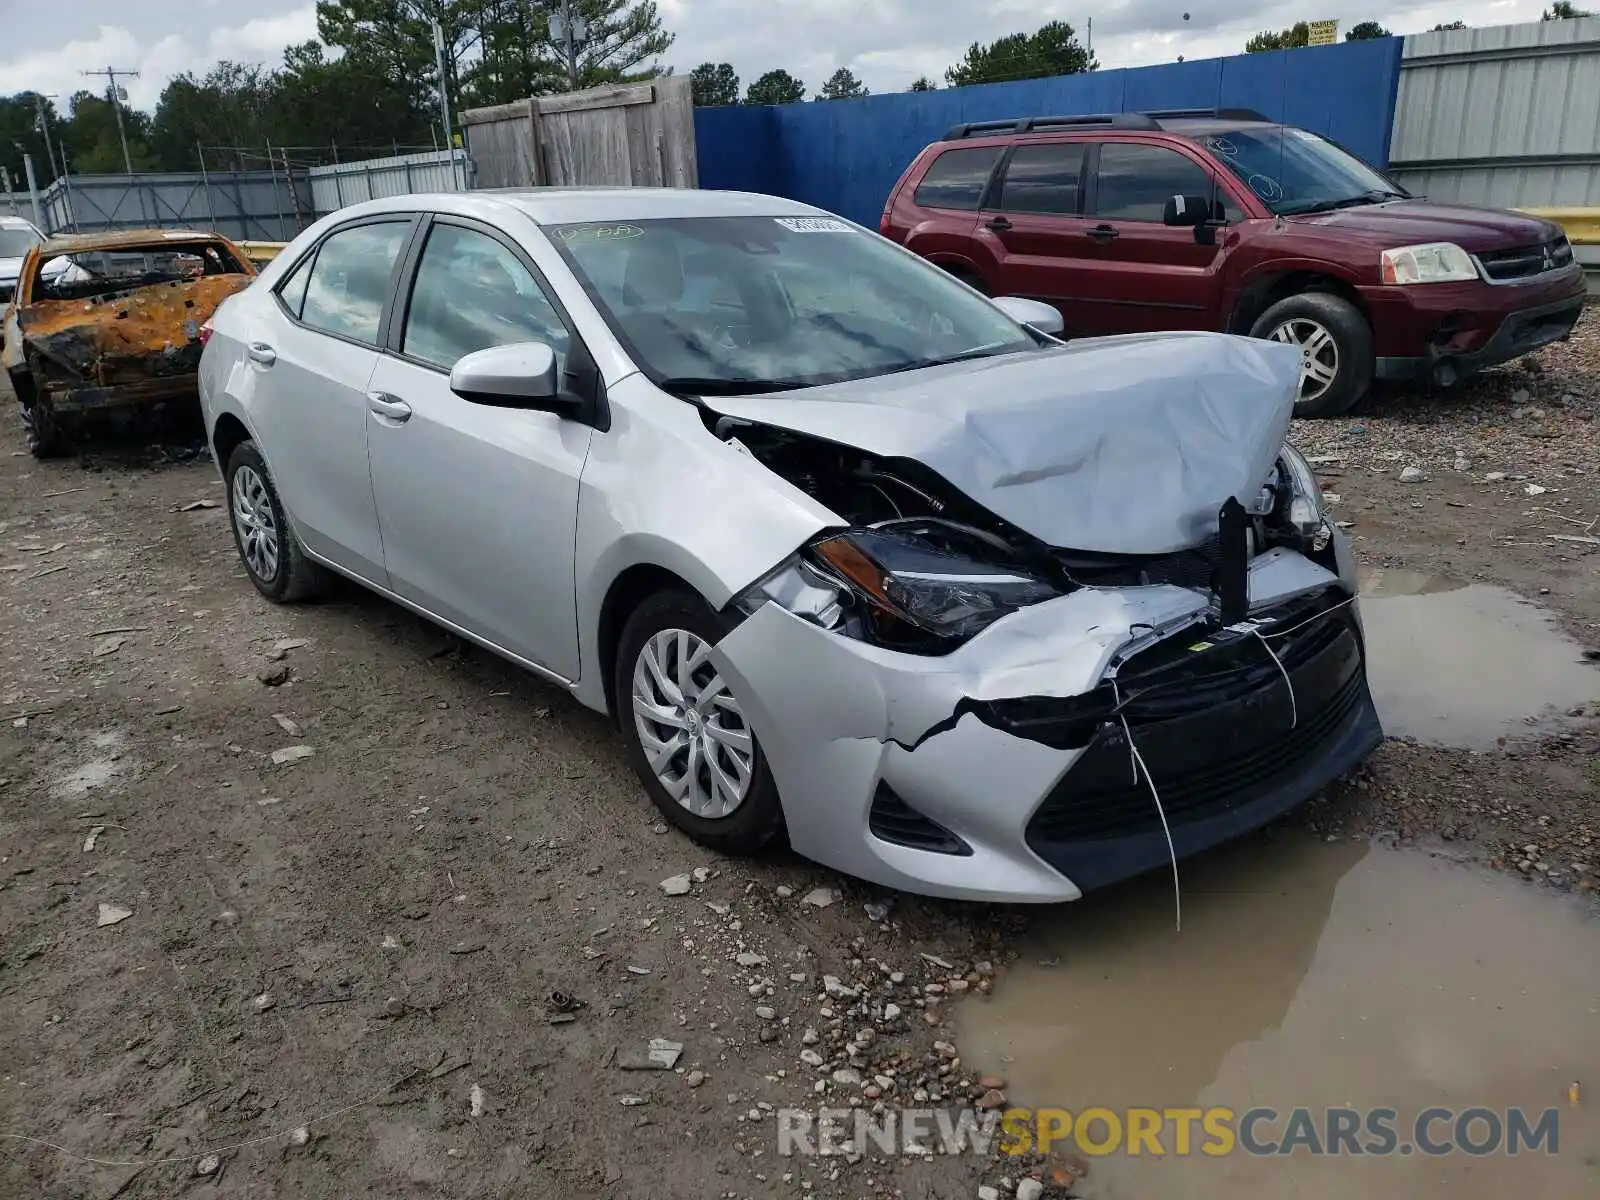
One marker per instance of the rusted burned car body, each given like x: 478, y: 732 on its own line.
x: 121, y: 325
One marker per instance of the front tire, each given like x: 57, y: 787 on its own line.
x: 687, y: 736
x: 266, y: 541
x: 1335, y: 345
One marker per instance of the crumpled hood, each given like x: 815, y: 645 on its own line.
x: 1124, y: 444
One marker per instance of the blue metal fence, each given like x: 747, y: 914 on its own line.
x: 845, y: 155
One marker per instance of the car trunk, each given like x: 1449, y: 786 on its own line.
x: 127, y: 337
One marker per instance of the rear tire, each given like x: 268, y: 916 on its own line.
x: 695, y: 728
x: 267, y: 544
x: 1335, y: 344
x: 39, y: 420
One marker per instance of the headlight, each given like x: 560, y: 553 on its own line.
x: 919, y: 594
x: 1305, y: 510
x: 1434, y: 262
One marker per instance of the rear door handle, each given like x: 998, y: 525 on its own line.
x: 390, y: 407
x: 262, y: 353
x: 998, y: 224
x: 1102, y: 233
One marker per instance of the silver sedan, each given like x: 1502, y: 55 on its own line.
x: 856, y: 557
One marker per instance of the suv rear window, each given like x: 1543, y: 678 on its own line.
x: 1043, y: 179
x: 1136, y: 181
x: 956, y: 178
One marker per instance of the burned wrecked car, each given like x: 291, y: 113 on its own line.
x: 854, y: 556
x: 110, y: 320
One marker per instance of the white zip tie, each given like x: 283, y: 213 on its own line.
x: 1133, y: 762
x: 1294, y: 707
x: 1345, y: 603
x: 1172, y: 853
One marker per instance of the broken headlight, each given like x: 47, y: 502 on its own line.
x: 918, y: 591
x: 1304, y: 510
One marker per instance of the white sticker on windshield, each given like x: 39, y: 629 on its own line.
x: 812, y: 225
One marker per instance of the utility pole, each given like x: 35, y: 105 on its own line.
x: 44, y: 128
x: 116, y: 95
x: 33, y: 191
x: 569, y: 30
x: 444, y: 101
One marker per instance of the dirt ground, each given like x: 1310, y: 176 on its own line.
x: 347, y: 973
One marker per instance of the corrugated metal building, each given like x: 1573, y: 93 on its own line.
x: 1506, y: 116
x: 339, y: 184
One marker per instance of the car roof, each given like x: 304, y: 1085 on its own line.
x: 559, y: 206
x: 9, y: 222
x: 124, y: 239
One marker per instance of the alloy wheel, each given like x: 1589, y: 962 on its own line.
x: 257, y: 525
x: 1319, y: 354
x: 692, y: 730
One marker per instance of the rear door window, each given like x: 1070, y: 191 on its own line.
x: 1044, y: 179
x: 1136, y: 180
x: 957, y: 178
x: 350, y: 279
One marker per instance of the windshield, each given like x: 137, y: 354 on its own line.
x: 730, y: 305
x: 1294, y: 171
x: 14, y: 243
x: 86, y: 273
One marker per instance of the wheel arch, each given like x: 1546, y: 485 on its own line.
x: 228, y: 433
x: 1267, y: 288
x: 631, y: 588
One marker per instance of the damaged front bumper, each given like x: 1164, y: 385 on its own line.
x: 996, y: 772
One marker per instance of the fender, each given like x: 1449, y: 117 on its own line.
x: 695, y: 506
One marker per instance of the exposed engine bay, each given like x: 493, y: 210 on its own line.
x: 929, y: 567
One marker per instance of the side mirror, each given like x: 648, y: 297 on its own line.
x: 1032, y: 313
x: 521, y: 375
x: 1187, y: 212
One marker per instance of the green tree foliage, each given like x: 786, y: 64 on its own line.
x: 775, y: 87
x: 1297, y: 35
x: 20, y: 134
x: 714, y: 84
x: 923, y: 84
x: 842, y: 85
x: 90, y: 136
x: 322, y: 109
x: 1366, y: 31
x: 1561, y: 10
x: 1053, y: 49
x: 1441, y: 28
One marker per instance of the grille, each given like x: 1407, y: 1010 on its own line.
x: 1073, y: 815
x: 1524, y: 262
x: 1214, y: 741
x: 893, y: 820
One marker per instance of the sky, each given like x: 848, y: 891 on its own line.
x: 887, y: 43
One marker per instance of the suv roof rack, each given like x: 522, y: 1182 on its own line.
x: 1224, y: 114
x: 1149, y: 121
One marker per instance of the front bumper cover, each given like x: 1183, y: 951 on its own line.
x: 852, y: 732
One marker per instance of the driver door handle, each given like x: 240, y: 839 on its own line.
x: 1102, y: 233
x: 998, y: 224
x: 262, y: 353
x: 390, y: 407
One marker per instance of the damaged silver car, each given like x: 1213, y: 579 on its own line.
x: 855, y: 556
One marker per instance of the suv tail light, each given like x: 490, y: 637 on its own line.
x: 205, y: 331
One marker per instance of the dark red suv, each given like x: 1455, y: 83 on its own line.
x: 1221, y: 219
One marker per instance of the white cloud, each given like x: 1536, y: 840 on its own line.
x: 157, y: 56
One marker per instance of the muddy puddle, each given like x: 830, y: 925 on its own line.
x: 1310, y: 975
x: 1463, y: 665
